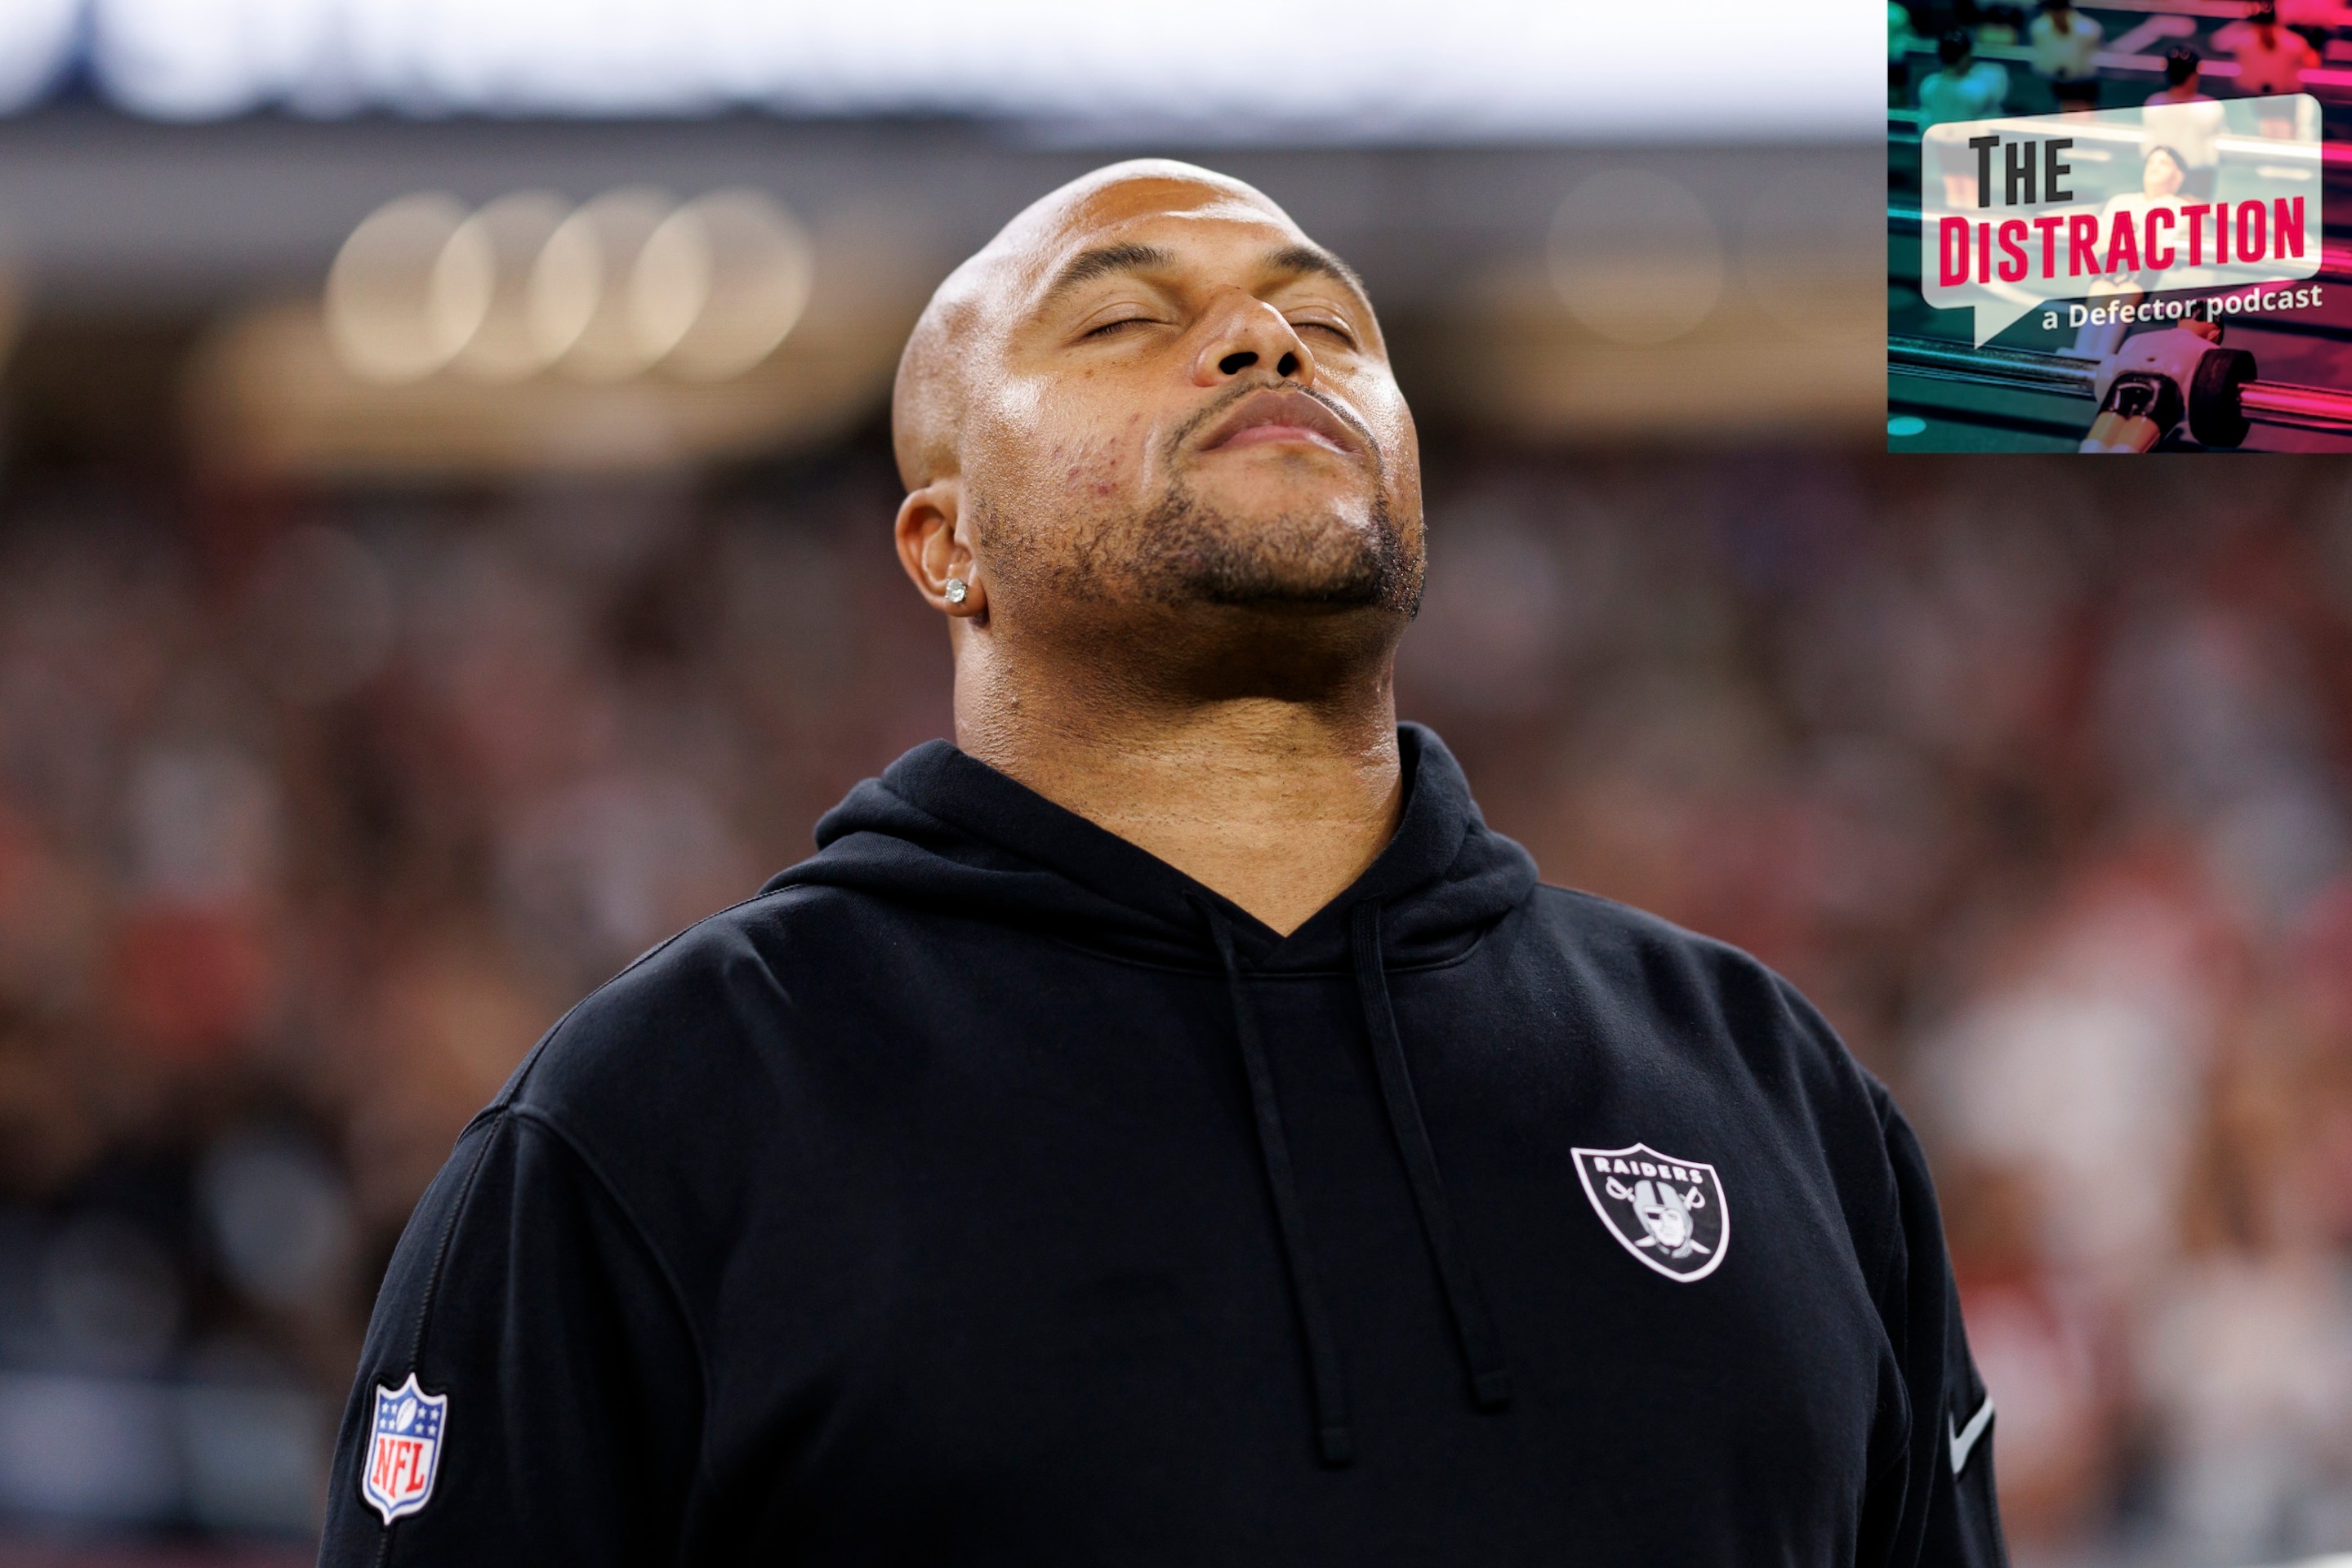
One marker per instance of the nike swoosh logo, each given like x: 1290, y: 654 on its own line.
x: 1964, y: 1439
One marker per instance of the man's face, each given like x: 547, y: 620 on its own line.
x: 1188, y: 402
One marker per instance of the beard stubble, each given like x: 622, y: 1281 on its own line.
x: 1185, y: 548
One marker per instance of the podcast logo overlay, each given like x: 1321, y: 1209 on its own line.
x: 2116, y: 214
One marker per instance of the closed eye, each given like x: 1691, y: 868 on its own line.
x: 1108, y: 327
x: 1336, y: 331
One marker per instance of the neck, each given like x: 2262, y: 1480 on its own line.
x: 1276, y: 801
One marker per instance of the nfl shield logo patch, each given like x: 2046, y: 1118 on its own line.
x: 1669, y: 1211
x: 405, y: 1453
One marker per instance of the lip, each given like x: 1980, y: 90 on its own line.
x: 1278, y: 417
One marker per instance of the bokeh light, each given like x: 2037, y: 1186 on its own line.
x: 408, y: 289
x: 1636, y: 257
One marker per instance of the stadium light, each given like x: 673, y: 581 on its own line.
x: 580, y: 288
x: 626, y: 284
x: 406, y: 292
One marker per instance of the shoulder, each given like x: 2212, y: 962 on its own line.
x: 1641, y: 955
x: 683, y: 1043
x: 1718, y: 1022
x: 673, y: 1084
x: 1618, y: 935
x: 1712, y: 999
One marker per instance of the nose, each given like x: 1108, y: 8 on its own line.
x: 1240, y: 332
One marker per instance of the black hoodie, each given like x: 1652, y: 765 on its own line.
x: 987, y: 1191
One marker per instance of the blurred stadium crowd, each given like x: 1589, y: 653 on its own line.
x: 315, y: 812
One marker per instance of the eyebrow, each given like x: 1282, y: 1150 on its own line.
x: 1298, y: 258
x: 1104, y: 260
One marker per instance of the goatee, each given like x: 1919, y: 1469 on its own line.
x: 1187, y: 551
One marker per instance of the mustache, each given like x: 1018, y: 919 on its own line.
x: 1216, y: 407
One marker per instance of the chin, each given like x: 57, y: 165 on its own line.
x: 1332, y: 553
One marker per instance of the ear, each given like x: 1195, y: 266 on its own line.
x: 932, y: 548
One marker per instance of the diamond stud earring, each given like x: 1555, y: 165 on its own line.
x: 956, y: 590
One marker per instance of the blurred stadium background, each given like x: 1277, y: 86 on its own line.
x: 444, y: 509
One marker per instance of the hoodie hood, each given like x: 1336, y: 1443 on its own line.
x: 942, y: 831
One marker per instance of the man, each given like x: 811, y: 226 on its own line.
x: 2270, y: 63
x: 1965, y: 88
x: 2183, y: 116
x: 2160, y: 176
x: 2271, y: 59
x: 1171, y: 1128
x: 2066, y: 54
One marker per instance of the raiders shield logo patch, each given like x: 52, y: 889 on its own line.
x: 1670, y: 1212
x: 404, y: 1453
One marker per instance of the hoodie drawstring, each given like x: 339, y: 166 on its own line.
x: 1335, y: 1436
x: 1474, y: 1329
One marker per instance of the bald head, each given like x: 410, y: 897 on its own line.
x: 961, y: 330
